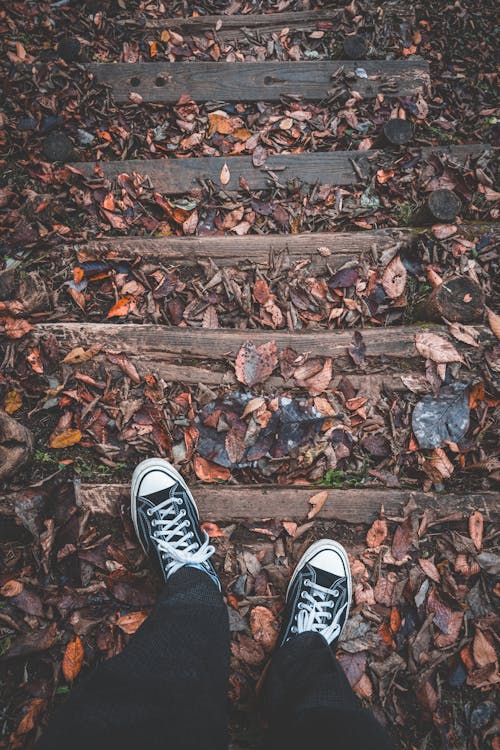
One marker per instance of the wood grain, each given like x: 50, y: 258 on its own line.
x: 230, y: 250
x: 165, y: 83
x: 174, y: 176
x: 228, y: 503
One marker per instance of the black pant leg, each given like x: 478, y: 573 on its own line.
x: 167, y: 689
x: 309, y: 703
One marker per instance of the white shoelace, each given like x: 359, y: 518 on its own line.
x: 173, y: 542
x: 314, y: 611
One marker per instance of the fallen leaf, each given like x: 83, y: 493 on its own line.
x: 122, y: 307
x: 79, y: 354
x: 212, y: 529
x: 34, y: 360
x: 430, y: 569
x: 73, y: 659
x: 394, y: 278
x: 264, y: 627
x: 466, y: 334
x: 208, y: 471
x: 377, y: 534
x: 135, y: 98
x: 483, y: 651
x: 131, y: 622
x: 384, y: 175
x: 317, y: 502
x: 259, y: 156
x: 403, y: 539
x: 357, y: 349
x: 65, y: 439
x: 261, y: 291
x: 219, y: 122
x: 255, y: 364
x: 442, y: 418
x: 436, y: 348
x: 313, y: 379
x: 16, y: 328
x: 12, y: 402
x: 494, y: 322
x: 11, y: 588
x: 225, y: 175
x: 30, y: 718
x: 476, y: 525
x: 443, y: 231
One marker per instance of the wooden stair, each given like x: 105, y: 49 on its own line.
x: 204, y: 356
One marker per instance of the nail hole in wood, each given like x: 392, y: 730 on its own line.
x: 160, y: 81
x: 135, y: 81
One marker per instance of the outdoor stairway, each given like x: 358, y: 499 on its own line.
x: 200, y: 356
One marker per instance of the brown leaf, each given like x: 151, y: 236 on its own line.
x: 377, y: 534
x: 436, y: 348
x: 219, y: 122
x: 122, y: 307
x: 484, y: 653
x: 476, y: 525
x: 427, y: 698
x: 235, y: 444
x: 131, y: 622
x: 466, y: 334
x: 430, y: 569
x: 443, y: 231
x: 225, y: 175
x: 11, y: 588
x: 494, y: 322
x: 73, y: 659
x: 394, y: 278
x: 316, y: 502
x: 12, y: 402
x: 255, y: 364
x: 259, y: 156
x: 264, y: 627
x: 384, y: 589
x: 207, y: 471
x: 403, y: 540
x: 65, y: 439
x: 261, y: 291
x: 384, y: 175
x: 34, y: 360
x: 135, y: 98
x: 314, y: 375
x: 28, y: 722
x: 16, y: 328
x: 79, y: 354
x: 118, y: 358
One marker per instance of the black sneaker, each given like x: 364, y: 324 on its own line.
x: 166, y: 519
x: 320, y: 593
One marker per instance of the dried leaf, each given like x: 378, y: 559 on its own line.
x: 377, y: 534
x: 384, y: 175
x: 313, y: 379
x: 484, y: 653
x: 436, y: 348
x: 13, y: 402
x: 65, y: 439
x: 466, y: 334
x: 442, y: 418
x: 225, y: 175
x: 212, y: 529
x: 494, y: 322
x: 11, y: 588
x: 430, y: 569
x: 255, y: 364
x: 394, y: 278
x: 131, y: 622
x: 208, y: 471
x: 73, y: 659
x: 264, y: 627
x: 476, y: 525
x: 16, y: 328
x: 122, y: 307
x: 79, y: 354
x: 317, y: 502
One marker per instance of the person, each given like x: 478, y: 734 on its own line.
x: 168, y: 688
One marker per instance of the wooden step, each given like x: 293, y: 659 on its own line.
x: 345, y: 247
x: 361, y: 505
x: 175, y: 176
x: 165, y: 83
x: 201, y: 355
x: 232, y: 250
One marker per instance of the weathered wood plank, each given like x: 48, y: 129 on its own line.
x: 165, y: 83
x: 258, y: 502
x: 230, y: 250
x: 173, y: 176
x: 234, y: 26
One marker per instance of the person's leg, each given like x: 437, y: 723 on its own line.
x: 307, y: 697
x: 168, y: 688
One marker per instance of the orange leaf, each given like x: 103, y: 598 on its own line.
x: 73, y: 659
x: 207, y: 471
x: 16, y: 328
x: 219, y: 122
x: 316, y: 502
x: 264, y: 627
x: 153, y: 49
x: 34, y: 360
x: 65, y: 439
x: 131, y: 622
x: 109, y: 202
x: 13, y: 402
x: 121, y: 308
x: 395, y: 620
x: 225, y: 175
x: 377, y: 534
x: 29, y: 719
x: 384, y: 175
x: 11, y: 588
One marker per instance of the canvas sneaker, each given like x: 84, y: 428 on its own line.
x: 167, y: 521
x: 320, y: 593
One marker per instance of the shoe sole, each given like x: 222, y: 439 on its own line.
x: 320, y: 546
x: 150, y: 464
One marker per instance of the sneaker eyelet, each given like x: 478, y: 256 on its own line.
x: 149, y: 512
